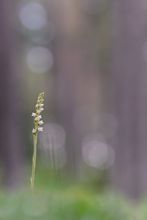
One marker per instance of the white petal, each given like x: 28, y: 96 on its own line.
x: 38, y: 118
x: 33, y: 114
x: 34, y: 131
x: 40, y: 129
x: 41, y: 122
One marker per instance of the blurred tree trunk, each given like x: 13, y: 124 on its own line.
x: 10, y: 124
x: 76, y: 80
x: 66, y: 56
x: 129, y: 81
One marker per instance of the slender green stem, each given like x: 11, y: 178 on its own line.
x: 32, y: 180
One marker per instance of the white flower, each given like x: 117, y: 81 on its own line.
x: 40, y: 128
x: 39, y: 117
x: 34, y: 131
x: 33, y: 114
x: 41, y: 109
x: 41, y: 105
x: 41, y: 122
x: 38, y: 111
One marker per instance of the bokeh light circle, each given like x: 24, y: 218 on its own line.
x: 52, y: 145
x: 97, y: 153
x: 39, y: 59
x: 33, y: 16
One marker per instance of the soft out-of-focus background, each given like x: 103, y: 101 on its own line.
x: 90, y: 59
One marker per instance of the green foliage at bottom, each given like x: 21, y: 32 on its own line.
x: 69, y: 204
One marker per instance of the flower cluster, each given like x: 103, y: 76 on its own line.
x: 38, y: 122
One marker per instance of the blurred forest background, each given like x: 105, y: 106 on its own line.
x: 89, y: 57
